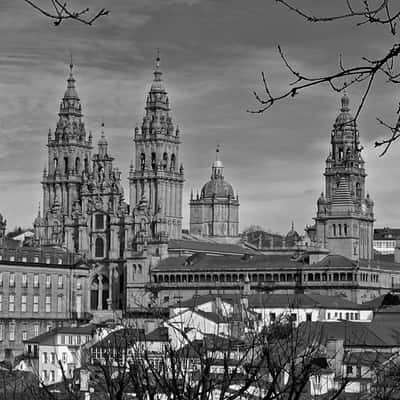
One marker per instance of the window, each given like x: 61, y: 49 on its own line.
x: 99, y: 247
x: 36, y: 330
x: 1, y: 279
x: 48, y: 303
x: 78, y: 283
x: 60, y: 283
x: 59, y: 261
x: 308, y: 317
x: 11, y: 332
x: 48, y: 327
x: 36, y: 259
x: 11, y: 282
x: 48, y: 281
x: 36, y: 303
x: 45, y: 375
x: 53, y: 358
x: 11, y: 302
x: 44, y: 357
x: 24, y: 282
x: 173, y: 162
x: 329, y: 315
x: 59, y: 304
x: 349, y: 370
x: 334, y: 229
x: 293, y: 317
x: 1, y: 302
x: 142, y: 161
x: 345, y: 229
x: 24, y: 334
x: 12, y: 258
x: 272, y: 317
x: 52, y: 376
x: 64, y: 358
x: 36, y: 280
x: 24, y: 259
x: 99, y: 221
x: 1, y: 332
x: 23, y: 303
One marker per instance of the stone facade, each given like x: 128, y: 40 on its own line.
x: 344, y: 221
x: 215, y: 213
x: 83, y: 200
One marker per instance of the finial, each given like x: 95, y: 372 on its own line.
x: 71, y: 64
x: 39, y: 209
x: 292, y: 226
x: 158, y: 60
x: 345, y: 101
x: 217, y: 150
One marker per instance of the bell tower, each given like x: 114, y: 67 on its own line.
x: 344, y: 222
x: 69, y: 157
x: 157, y: 175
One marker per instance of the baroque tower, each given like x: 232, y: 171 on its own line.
x: 157, y: 175
x: 69, y: 155
x: 215, y: 213
x: 344, y: 221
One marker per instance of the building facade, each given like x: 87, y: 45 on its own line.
x: 215, y: 212
x: 40, y: 289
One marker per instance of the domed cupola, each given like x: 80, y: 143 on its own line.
x: 217, y: 187
x: 215, y: 213
x: 344, y: 117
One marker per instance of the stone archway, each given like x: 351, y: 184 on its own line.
x: 99, y: 292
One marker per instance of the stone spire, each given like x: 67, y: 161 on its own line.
x: 70, y: 104
x: 103, y: 144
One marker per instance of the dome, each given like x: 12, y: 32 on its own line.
x: 217, y: 188
x: 344, y: 117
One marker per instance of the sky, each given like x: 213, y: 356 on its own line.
x: 212, y: 55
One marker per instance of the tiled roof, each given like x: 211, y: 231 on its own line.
x: 363, y: 334
x: 276, y: 300
x: 199, y: 246
x: 44, y: 337
x: 202, y: 262
x: 386, y: 233
x: 159, y: 334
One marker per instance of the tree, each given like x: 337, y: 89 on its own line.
x: 60, y: 11
x: 385, y: 14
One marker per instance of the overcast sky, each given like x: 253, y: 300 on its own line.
x: 212, y: 54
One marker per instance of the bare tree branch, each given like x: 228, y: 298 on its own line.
x: 60, y: 11
x: 383, y: 12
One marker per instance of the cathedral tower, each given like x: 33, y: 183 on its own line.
x: 69, y: 156
x: 215, y: 213
x: 344, y: 222
x: 157, y: 175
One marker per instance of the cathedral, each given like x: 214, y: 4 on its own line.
x: 96, y: 256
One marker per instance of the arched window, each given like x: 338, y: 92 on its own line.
x: 142, y: 161
x: 165, y: 161
x: 99, y: 247
x: 77, y: 165
x: 173, y: 162
x: 345, y: 229
x: 55, y: 161
x: 358, y: 190
x: 340, y: 229
x: 86, y: 164
x: 153, y: 161
x: 334, y: 229
x: 66, y: 166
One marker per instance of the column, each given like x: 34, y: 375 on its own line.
x: 110, y: 287
x: 100, y: 293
